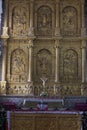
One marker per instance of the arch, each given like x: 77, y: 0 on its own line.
x: 69, y: 20
x: 70, y: 63
x: 44, y: 63
x: 19, y: 20
x: 44, y: 20
x: 18, y: 62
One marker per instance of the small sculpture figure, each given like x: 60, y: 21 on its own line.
x: 44, y: 93
x: 44, y: 81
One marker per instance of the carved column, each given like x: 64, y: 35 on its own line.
x: 57, y: 29
x: 30, y: 47
x: 31, y: 29
x: 83, y: 61
x: 57, y: 61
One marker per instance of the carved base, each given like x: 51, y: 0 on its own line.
x: 3, y: 90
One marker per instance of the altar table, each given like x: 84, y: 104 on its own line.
x: 45, y: 120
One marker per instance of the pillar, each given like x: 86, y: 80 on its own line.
x: 57, y: 28
x: 30, y: 49
x: 31, y: 29
x: 83, y: 61
x: 57, y: 61
x: 4, y: 60
x: 5, y: 25
x: 83, y: 14
x: 83, y: 29
x: 5, y: 13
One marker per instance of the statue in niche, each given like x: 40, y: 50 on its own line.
x: 44, y: 20
x: 69, y: 19
x: 18, y: 62
x: 19, y: 21
x: 70, y: 65
x: 44, y: 63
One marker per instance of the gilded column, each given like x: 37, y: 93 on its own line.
x: 31, y: 29
x: 30, y: 47
x: 83, y: 61
x: 57, y: 61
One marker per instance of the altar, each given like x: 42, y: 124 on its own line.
x: 45, y: 120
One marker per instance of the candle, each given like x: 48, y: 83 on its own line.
x: 24, y: 101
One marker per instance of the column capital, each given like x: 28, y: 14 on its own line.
x: 30, y: 45
x: 5, y: 33
x: 57, y: 44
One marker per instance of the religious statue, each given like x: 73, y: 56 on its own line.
x: 44, y: 86
x: 44, y: 81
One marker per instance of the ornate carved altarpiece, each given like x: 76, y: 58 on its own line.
x: 44, y: 42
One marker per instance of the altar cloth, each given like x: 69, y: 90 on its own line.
x: 37, y: 120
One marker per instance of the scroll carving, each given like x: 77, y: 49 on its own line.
x: 69, y: 21
x: 44, y: 20
x: 19, y: 21
x: 70, y: 65
x: 44, y: 65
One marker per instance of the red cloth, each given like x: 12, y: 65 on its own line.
x: 9, y: 105
x: 81, y: 106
